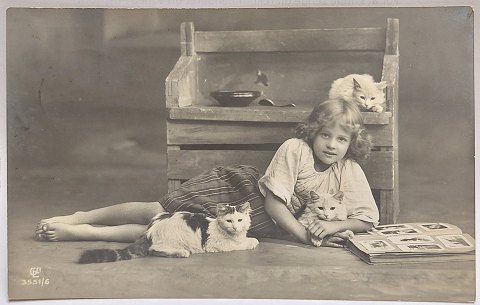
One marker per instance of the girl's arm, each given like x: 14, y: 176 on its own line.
x: 321, y: 228
x: 282, y: 216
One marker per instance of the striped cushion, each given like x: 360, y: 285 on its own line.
x: 232, y: 185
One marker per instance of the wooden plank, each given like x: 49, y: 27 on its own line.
x: 180, y: 84
x: 187, y: 31
x: 388, y: 205
x: 173, y: 184
x: 379, y: 170
x: 387, y: 210
x: 184, y: 164
x: 259, y: 114
x: 390, y: 69
x: 381, y: 134
x: 220, y: 132
x: 159, y: 40
x: 391, y: 47
x: 390, y: 75
x: 395, y: 112
x: 304, y: 40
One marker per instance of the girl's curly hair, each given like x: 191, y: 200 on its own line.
x: 345, y: 113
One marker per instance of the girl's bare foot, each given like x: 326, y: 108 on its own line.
x: 62, y: 231
x: 71, y: 219
x: 68, y: 219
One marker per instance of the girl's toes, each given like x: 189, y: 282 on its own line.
x: 41, y: 223
x: 40, y: 233
x: 42, y: 228
x: 46, y: 232
x: 41, y: 237
x: 45, y: 227
x: 51, y: 236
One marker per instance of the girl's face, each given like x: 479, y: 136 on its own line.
x: 330, y: 145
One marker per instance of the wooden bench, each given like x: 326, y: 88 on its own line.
x: 300, y: 65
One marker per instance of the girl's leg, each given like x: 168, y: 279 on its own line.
x: 122, y: 222
x: 119, y: 214
x: 68, y: 232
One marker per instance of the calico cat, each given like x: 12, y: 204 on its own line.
x: 181, y: 234
x: 361, y: 89
x: 324, y: 207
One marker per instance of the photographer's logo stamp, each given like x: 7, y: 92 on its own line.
x: 36, y: 278
x: 35, y: 272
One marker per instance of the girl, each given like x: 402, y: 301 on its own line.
x: 323, y: 158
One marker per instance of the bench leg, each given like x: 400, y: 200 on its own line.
x: 172, y: 183
x: 388, y: 208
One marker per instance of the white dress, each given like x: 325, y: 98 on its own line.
x: 291, y: 176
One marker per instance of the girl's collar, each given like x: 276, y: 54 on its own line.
x: 316, y: 161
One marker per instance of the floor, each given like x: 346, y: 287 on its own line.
x: 101, y: 158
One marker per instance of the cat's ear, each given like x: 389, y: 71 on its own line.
x: 244, y: 207
x: 223, y: 208
x: 338, y: 196
x: 381, y: 85
x: 356, y: 85
x: 314, y: 195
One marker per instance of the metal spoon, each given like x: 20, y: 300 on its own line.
x: 269, y: 102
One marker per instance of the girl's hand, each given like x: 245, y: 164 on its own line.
x: 322, y: 228
x: 336, y: 241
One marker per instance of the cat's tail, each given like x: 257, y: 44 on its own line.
x: 137, y: 249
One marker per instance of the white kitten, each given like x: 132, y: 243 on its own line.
x: 324, y: 207
x: 360, y: 88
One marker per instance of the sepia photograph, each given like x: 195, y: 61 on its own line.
x: 233, y: 153
x: 410, y: 239
x: 377, y: 245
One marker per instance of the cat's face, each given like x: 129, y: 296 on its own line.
x: 368, y: 95
x: 234, y: 219
x: 328, y: 206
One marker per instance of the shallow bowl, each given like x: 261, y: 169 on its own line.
x: 239, y: 98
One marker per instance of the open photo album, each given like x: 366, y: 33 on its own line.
x: 413, y: 243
